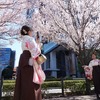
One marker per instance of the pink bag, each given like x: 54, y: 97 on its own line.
x: 39, y: 75
x: 88, y: 72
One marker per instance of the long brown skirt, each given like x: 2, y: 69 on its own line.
x: 96, y: 78
x: 25, y: 89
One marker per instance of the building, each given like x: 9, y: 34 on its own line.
x: 60, y: 61
x: 7, y: 59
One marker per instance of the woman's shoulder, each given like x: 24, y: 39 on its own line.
x: 28, y: 38
x: 92, y: 61
x: 97, y: 60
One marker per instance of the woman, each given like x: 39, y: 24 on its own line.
x: 25, y: 88
x: 95, y: 66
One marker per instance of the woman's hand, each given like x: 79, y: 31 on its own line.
x: 39, y: 43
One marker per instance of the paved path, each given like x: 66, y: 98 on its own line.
x: 86, y: 97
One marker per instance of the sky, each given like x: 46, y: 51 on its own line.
x: 16, y: 46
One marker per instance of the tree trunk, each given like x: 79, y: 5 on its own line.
x: 84, y: 61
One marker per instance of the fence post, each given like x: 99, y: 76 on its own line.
x: 1, y: 83
x: 62, y: 86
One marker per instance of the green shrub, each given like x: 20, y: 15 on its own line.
x: 49, y: 84
x: 51, y: 78
x: 7, y: 98
x: 77, y: 86
x: 8, y: 85
x: 9, y: 81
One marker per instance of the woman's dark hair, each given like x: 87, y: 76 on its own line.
x: 94, y: 52
x: 25, y: 29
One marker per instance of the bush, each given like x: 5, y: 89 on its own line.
x: 8, y: 85
x: 51, y: 78
x: 75, y: 86
x: 7, y: 98
x: 49, y: 84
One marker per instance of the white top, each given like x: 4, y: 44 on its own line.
x: 94, y: 62
x: 29, y: 43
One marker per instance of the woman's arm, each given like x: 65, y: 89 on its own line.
x: 38, y: 41
x: 33, y: 47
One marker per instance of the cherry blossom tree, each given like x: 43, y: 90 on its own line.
x: 12, y: 16
x: 74, y: 24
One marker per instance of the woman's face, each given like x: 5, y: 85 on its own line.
x: 30, y: 33
x: 93, y: 56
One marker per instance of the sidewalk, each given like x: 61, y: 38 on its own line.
x: 86, y: 97
x: 58, y: 91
